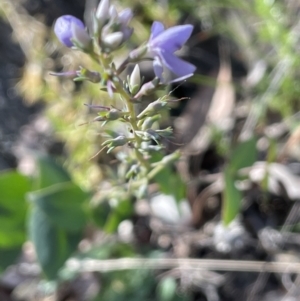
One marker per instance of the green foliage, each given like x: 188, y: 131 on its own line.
x: 57, y: 216
x: 171, y: 183
x: 109, y: 213
x: 49, y: 173
x: 242, y: 156
x: 138, y: 285
x: 13, y: 187
x: 57, y: 212
x: 232, y: 198
x: 63, y: 205
x: 53, y: 245
x: 128, y: 285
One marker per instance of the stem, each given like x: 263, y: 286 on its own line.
x: 134, y: 126
x: 95, y: 265
x: 165, y: 161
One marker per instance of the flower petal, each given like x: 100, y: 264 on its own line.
x: 175, y: 64
x: 63, y: 28
x: 80, y: 35
x: 156, y: 29
x: 179, y: 79
x: 102, y: 10
x: 173, y: 38
x: 158, y: 68
x: 125, y: 16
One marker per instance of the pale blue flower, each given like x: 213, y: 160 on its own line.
x: 162, y: 45
x: 68, y: 27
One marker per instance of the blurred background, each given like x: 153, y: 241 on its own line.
x: 233, y: 196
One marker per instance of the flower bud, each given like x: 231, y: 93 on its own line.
x: 167, y: 132
x: 127, y: 32
x: 114, y: 114
x: 125, y: 16
x: 85, y: 74
x: 149, y: 121
x: 113, y: 14
x: 153, y: 108
x: 63, y: 30
x: 80, y: 37
x: 134, y: 170
x: 135, y: 80
x: 107, y: 114
x: 112, y: 143
x: 113, y: 40
x: 148, y: 88
x: 102, y: 12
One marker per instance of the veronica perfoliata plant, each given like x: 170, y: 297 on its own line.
x: 109, y: 31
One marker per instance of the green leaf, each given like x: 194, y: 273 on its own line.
x: 100, y: 213
x: 112, y: 222
x: 169, y: 182
x: 52, y: 244
x: 243, y: 155
x: 13, y: 208
x: 231, y: 200
x: 119, y: 213
x: 62, y: 204
x: 50, y: 173
x: 13, y: 187
x: 8, y: 256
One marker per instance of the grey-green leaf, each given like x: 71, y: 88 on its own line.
x: 63, y: 204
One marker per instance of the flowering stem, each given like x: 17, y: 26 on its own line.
x: 105, y: 62
x: 134, y: 126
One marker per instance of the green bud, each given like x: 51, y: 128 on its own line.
x: 114, y: 114
x: 153, y: 108
x: 85, y: 74
x: 165, y: 132
x: 135, y: 80
x: 112, y: 143
x: 149, y: 121
x: 134, y: 170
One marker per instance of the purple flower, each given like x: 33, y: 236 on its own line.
x: 117, y: 29
x: 125, y: 17
x: 68, y: 27
x: 162, y: 45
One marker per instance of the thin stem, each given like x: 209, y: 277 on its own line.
x: 161, y: 165
x: 94, y: 265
